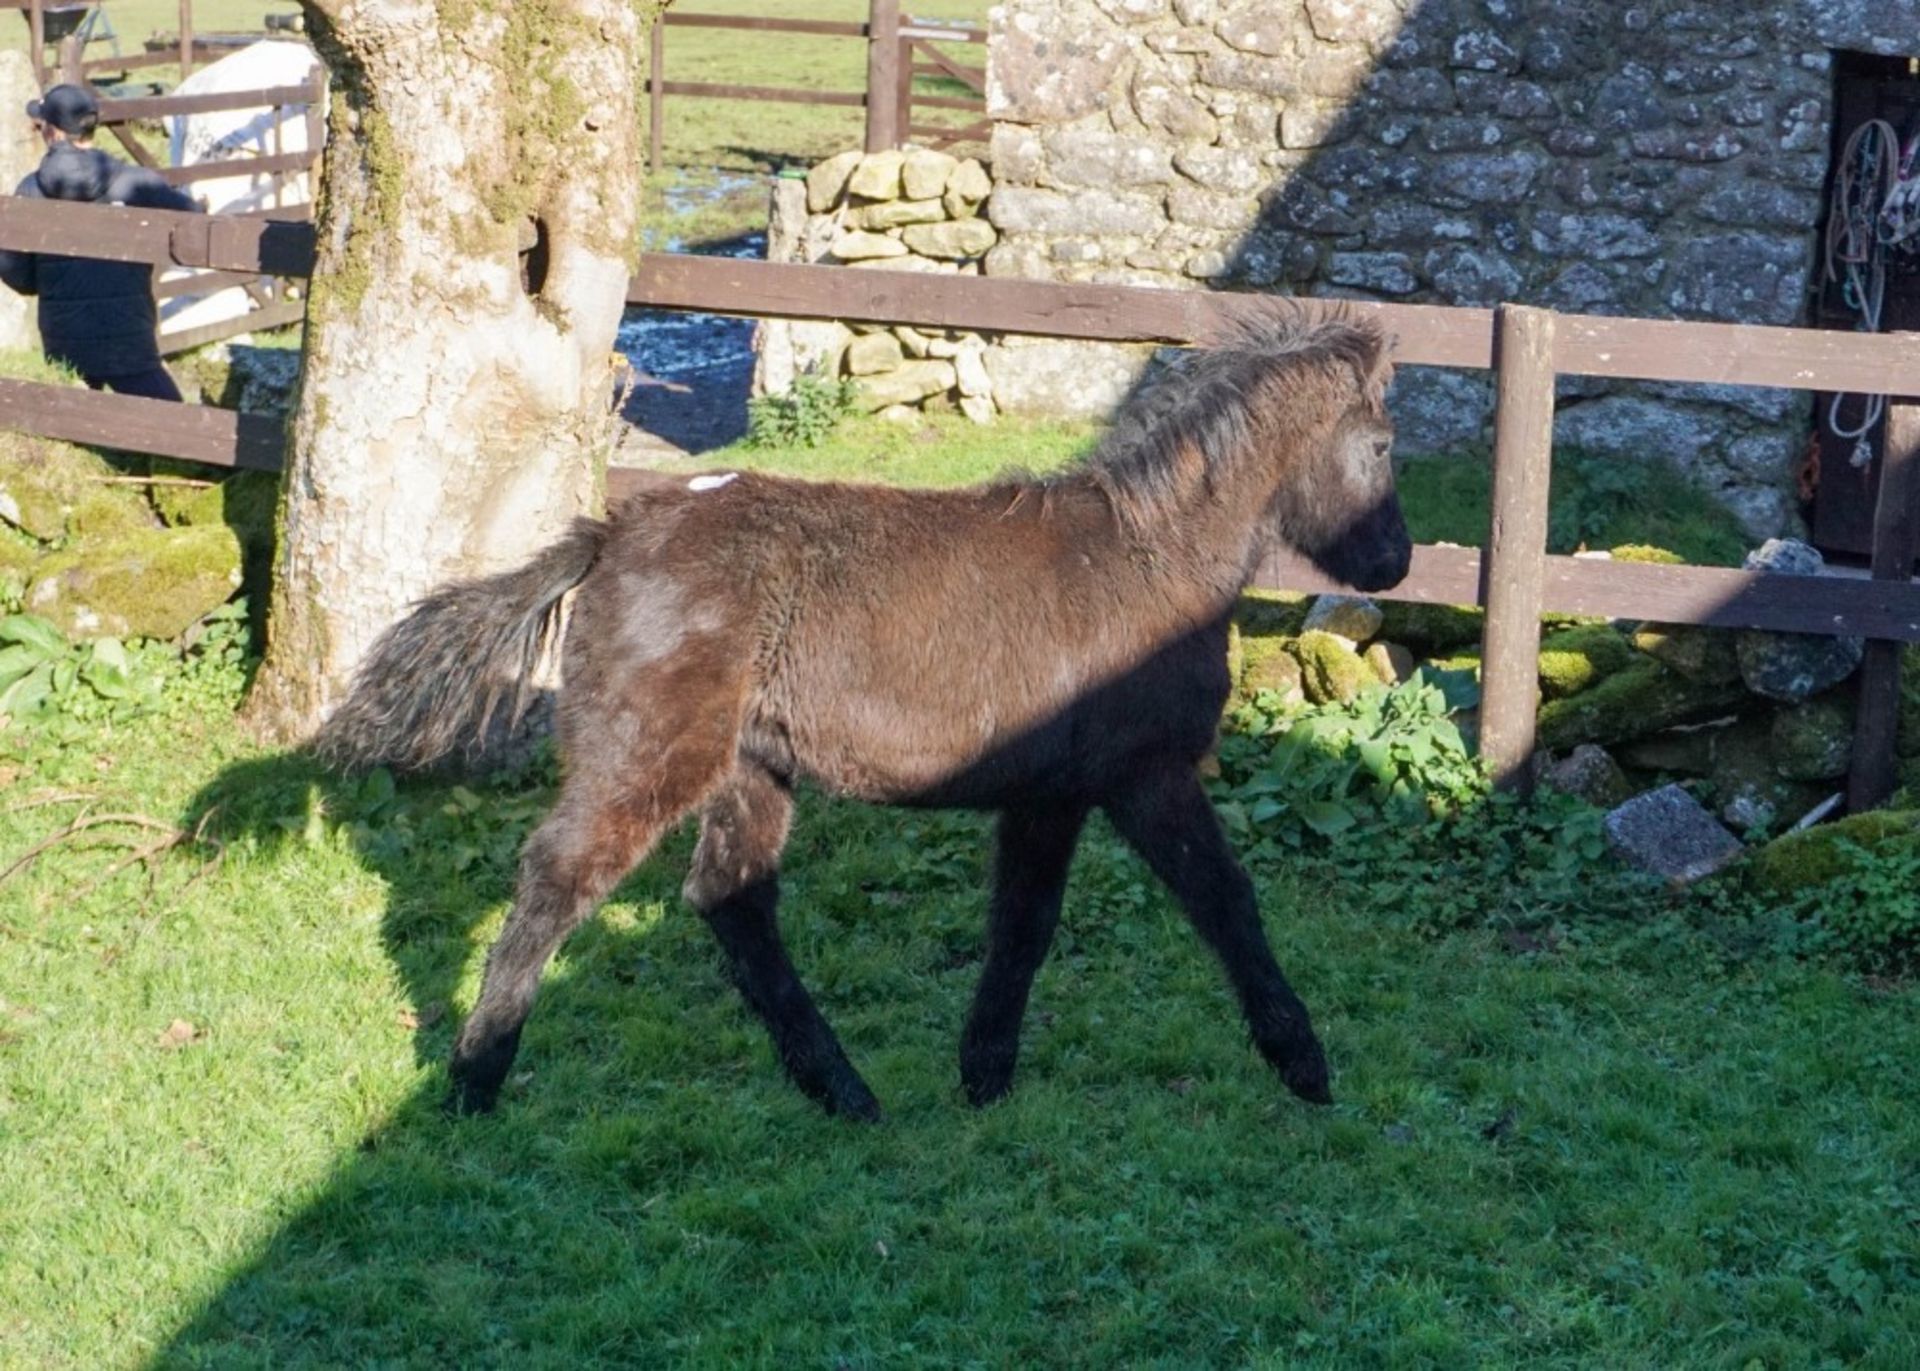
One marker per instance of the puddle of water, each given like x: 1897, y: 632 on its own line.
x: 683, y: 197
x: 676, y: 346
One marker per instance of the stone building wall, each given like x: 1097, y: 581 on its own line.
x: 1662, y: 159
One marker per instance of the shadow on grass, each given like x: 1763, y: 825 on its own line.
x: 647, y: 1153
x: 1507, y: 1178
x: 429, y: 1213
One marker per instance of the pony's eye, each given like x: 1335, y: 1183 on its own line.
x: 1382, y: 446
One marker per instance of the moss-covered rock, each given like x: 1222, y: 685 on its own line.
x: 1587, y: 773
x: 1672, y: 752
x: 1733, y: 763
x: 1643, y: 552
x: 153, y: 583
x: 1813, y: 856
x: 1268, y: 665
x: 1353, y: 617
x: 1699, y: 654
x: 53, y: 491
x: 18, y: 555
x: 1642, y: 699
x: 1813, y: 741
x: 1430, y: 629
x: 1271, y: 613
x: 1575, y: 659
x: 1330, y: 671
x: 1391, y: 662
x: 245, y: 502
x: 1908, y: 741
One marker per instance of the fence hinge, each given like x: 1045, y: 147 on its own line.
x: 191, y: 242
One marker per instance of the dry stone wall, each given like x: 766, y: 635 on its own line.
x: 1662, y: 159
x: 921, y: 211
x: 918, y: 210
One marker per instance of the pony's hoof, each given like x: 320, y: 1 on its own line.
x: 983, y: 1091
x: 857, y: 1104
x: 459, y: 1105
x: 467, y: 1099
x: 1306, y: 1075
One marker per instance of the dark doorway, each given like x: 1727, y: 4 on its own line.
x: 1863, y: 282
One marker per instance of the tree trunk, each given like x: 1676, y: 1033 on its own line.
x: 475, y: 230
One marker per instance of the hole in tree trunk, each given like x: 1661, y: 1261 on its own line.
x: 535, y: 255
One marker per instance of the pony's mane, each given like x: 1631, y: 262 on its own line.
x: 1207, y: 402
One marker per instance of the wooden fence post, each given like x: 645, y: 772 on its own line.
x: 186, y: 39
x: 904, y: 74
x: 1876, y: 725
x: 883, y: 75
x: 656, y: 94
x: 71, y: 61
x: 37, y: 39
x: 1515, y: 564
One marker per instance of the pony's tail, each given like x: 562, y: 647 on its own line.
x: 436, y: 682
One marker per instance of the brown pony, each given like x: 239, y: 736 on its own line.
x: 1037, y: 647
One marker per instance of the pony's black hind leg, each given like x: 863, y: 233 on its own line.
x: 1168, y: 820
x: 735, y: 884
x: 1033, y: 850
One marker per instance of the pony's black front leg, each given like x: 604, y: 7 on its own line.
x: 1033, y: 851
x: 1168, y: 820
x: 735, y: 885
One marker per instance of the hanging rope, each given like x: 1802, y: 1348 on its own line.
x: 1866, y: 184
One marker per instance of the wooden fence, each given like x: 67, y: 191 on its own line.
x: 898, y: 50
x: 73, y: 62
x: 272, y: 306
x: 1527, y: 348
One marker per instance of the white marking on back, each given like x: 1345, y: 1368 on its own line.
x: 705, y: 483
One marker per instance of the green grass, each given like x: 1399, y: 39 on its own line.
x: 940, y: 450
x: 742, y: 135
x: 1598, y: 502
x: 1695, y: 1169
x: 1618, y: 1140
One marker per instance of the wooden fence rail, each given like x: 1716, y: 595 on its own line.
x: 1514, y: 578
x: 889, y: 99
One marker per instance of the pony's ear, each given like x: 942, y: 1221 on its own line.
x: 1376, y: 367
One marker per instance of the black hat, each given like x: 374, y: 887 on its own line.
x: 68, y: 108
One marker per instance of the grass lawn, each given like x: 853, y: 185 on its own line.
x: 940, y: 450
x: 1614, y: 1141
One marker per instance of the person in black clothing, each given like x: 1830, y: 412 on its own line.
x: 97, y: 317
